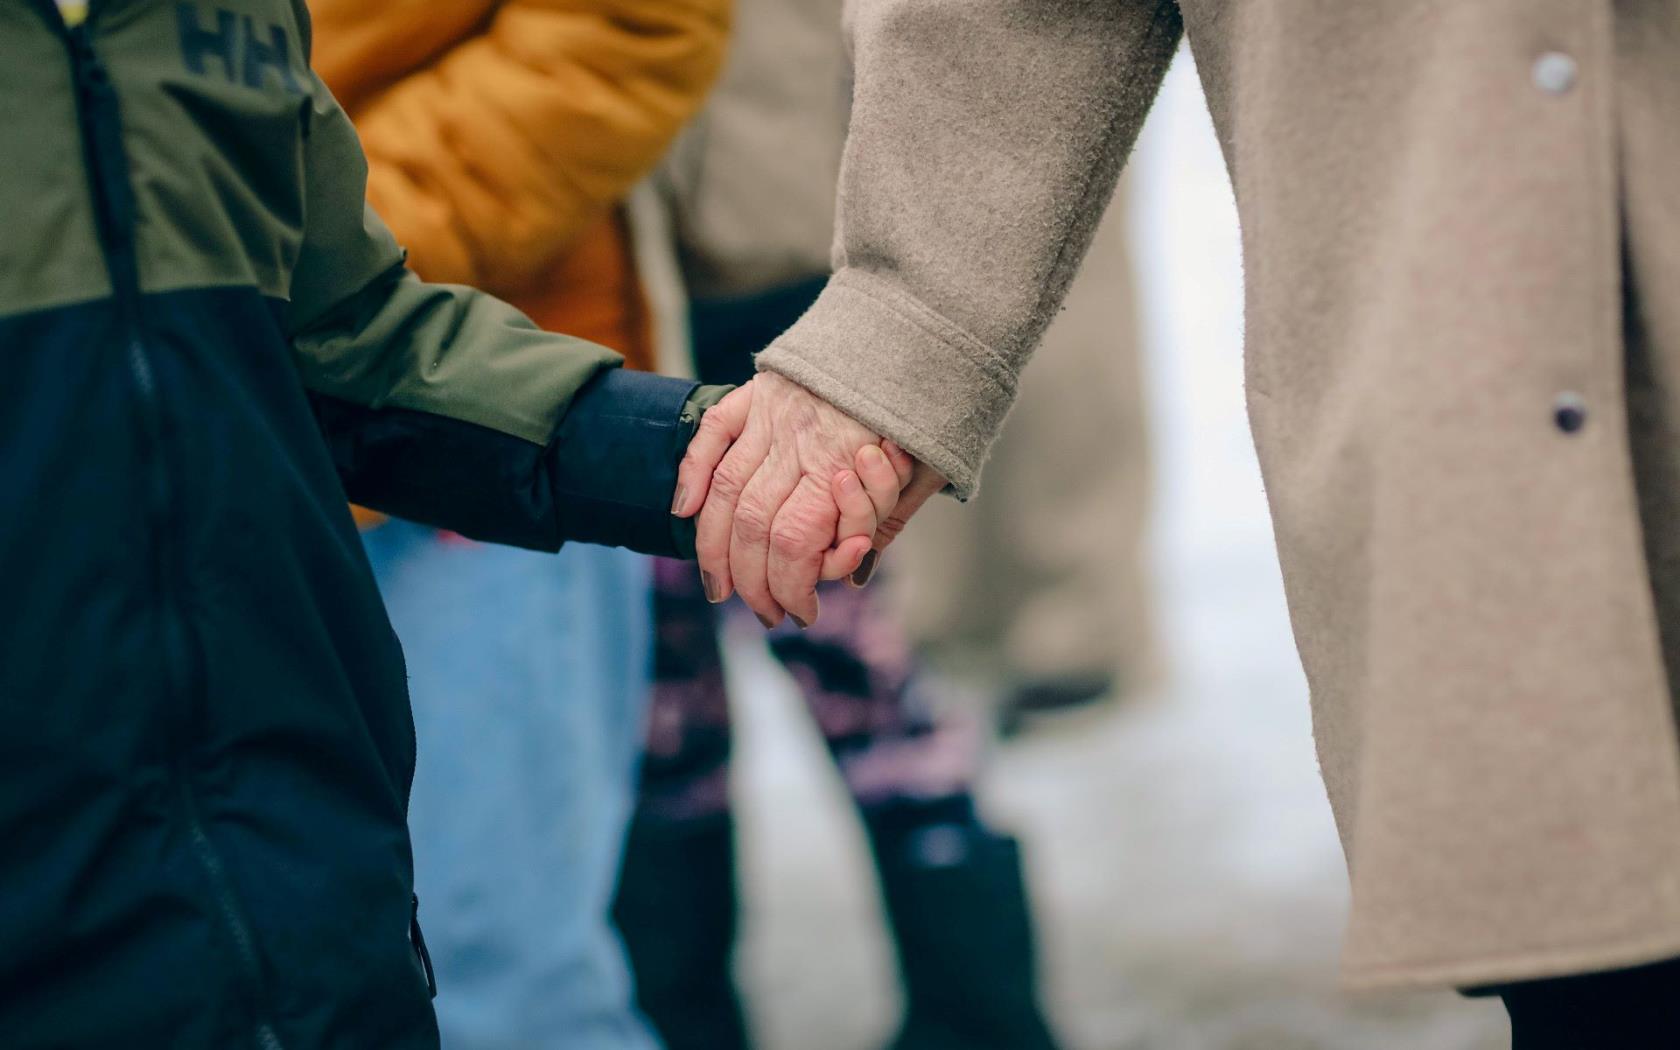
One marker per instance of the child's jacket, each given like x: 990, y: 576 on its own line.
x: 208, y: 345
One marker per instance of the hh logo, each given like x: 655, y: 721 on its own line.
x: 242, y: 51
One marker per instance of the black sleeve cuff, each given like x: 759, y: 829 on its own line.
x: 613, y: 461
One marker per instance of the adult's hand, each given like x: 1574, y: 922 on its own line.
x: 767, y: 478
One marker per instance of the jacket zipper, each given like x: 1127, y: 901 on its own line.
x: 106, y: 160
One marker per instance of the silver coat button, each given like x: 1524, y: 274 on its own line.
x: 1554, y: 72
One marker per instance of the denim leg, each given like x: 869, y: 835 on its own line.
x: 529, y: 675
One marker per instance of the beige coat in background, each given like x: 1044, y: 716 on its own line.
x: 750, y: 183
x: 1432, y: 195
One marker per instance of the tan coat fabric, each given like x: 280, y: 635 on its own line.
x: 1432, y: 217
x: 1044, y: 573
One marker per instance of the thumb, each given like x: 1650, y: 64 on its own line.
x: 719, y: 427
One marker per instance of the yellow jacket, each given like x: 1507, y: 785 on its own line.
x: 501, y: 135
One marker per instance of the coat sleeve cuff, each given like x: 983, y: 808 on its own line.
x: 613, y: 461
x: 902, y: 370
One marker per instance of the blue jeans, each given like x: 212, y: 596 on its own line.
x: 529, y: 675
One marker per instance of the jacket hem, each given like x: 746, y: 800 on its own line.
x: 1537, y: 964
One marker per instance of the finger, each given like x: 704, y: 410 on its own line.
x: 857, y: 515
x: 719, y: 428
x: 749, y: 537
x: 847, y: 558
x: 715, y: 525
x: 902, y: 462
x: 880, y: 481
x: 922, y: 487
x: 858, y: 521
x: 802, y: 532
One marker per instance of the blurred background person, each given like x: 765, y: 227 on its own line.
x: 1037, y: 591
x: 750, y: 194
x: 502, y: 138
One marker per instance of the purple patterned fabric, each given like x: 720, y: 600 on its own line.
x: 858, y: 677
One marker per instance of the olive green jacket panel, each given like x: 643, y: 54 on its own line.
x: 46, y: 198
x: 216, y: 144
x: 246, y: 173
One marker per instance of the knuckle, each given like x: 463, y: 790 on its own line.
x: 727, y: 481
x: 752, y: 524
x: 791, y: 540
x: 802, y: 417
x: 712, y: 425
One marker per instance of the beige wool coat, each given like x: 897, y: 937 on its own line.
x: 1044, y: 574
x: 1461, y: 236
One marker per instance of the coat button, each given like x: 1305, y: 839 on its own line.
x: 1554, y: 72
x: 1569, y: 412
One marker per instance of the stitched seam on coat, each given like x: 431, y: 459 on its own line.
x: 931, y: 322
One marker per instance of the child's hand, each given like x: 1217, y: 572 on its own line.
x: 865, y: 497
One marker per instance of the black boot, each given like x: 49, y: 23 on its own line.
x: 676, y: 910
x: 959, y: 913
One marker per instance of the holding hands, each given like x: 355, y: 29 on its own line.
x: 789, y: 491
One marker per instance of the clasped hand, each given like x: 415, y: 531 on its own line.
x: 790, y: 491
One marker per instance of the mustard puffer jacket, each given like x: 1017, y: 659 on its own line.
x: 501, y: 135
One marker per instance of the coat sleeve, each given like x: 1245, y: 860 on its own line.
x: 490, y: 160
x: 444, y: 405
x: 986, y: 138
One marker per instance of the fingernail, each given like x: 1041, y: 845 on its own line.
x: 803, y: 626
x: 677, y: 501
x: 709, y: 584
x: 769, y: 624
x: 866, y: 568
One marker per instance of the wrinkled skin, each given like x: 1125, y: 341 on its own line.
x: 789, y: 491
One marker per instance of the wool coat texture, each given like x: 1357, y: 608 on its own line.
x: 1462, y: 257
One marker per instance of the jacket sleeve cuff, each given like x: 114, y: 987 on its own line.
x: 613, y: 461
x: 902, y: 370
